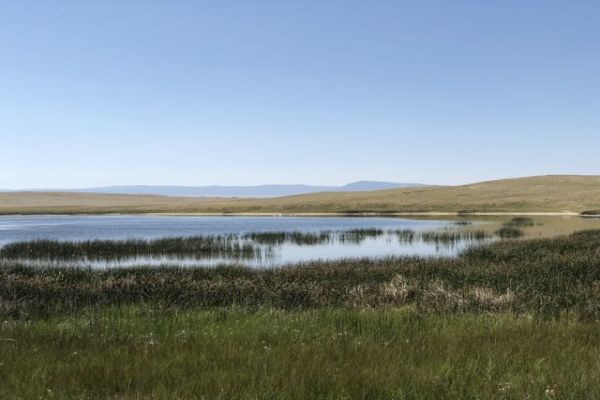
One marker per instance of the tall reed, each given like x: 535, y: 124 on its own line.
x: 544, y: 277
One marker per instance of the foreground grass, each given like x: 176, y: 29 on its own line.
x: 138, y: 352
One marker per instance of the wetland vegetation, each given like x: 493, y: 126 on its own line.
x: 247, y: 246
x: 199, y: 246
x: 513, y: 228
x: 544, y: 277
x: 300, y: 238
x: 507, y: 319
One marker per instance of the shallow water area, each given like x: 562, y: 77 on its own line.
x: 273, y: 241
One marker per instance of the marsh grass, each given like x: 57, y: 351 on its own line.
x: 591, y: 213
x: 253, y: 245
x: 512, y: 228
x: 543, y: 277
x: 199, y: 246
x: 404, y: 235
x: 506, y: 320
x: 139, y: 352
x: 509, y: 232
x: 294, y: 237
x: 359, y: 235
x: 463, y: 223
x: 521, y: 222
x: 453, y: 236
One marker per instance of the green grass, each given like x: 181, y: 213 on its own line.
x: 138, y: 353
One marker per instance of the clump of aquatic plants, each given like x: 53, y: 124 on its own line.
x: 404, y: 235
x: 509, y: 232
x: 359, y: 234
x: 453, y: 236
x: 463, y: 223
x: 295, y: 237
x: 591, y: 213
x: 513, y: 229
x: 521, y: 222
x: 199, y: 246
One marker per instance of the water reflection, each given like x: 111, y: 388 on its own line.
x: 256, y: 249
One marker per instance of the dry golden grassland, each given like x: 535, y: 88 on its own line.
x: 545, y: 194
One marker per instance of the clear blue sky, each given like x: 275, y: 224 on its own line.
x: 318, y: 92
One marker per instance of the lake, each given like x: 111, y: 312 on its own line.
x: 342, y: 237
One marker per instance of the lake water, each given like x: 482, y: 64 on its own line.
x: 388, y: 243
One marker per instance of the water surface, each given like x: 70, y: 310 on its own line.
x: 389, y: 243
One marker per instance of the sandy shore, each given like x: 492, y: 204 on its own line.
x: 382, y: 214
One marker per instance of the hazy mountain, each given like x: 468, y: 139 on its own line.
x: 363, y: 186
x: 236, y: 191
x: 214, y: 191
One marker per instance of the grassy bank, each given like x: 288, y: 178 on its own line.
x: 139, y: 352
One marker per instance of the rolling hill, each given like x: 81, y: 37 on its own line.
x: 558, y: 193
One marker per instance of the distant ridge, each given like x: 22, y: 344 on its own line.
x: 565, y: 194
x: 235, y: 191
x: 365, y: 186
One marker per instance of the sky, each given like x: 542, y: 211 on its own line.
x: 316, y: 92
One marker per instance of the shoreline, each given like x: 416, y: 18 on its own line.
x: 367, y: 214
x: 316, y: 214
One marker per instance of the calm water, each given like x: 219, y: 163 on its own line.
x: 80, y: 228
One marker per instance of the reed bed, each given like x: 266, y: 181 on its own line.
x: 520, y: 222
x: 506, y: 320
x: 509, y: 232
x: 463, y: 223
x: 245, y: 246
x: 591, y: 213
x: 543, y: 277
x: 359, y: 235
x: 199, y: 246
x: 295, y: 237
x: 404, y: 235
x: 453, y: 236
x: 512, y: 229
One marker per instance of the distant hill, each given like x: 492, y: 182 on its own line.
x: 235, y: 191
x: 212, y: 191
x: 558, y: 193
x: 365, y: 186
